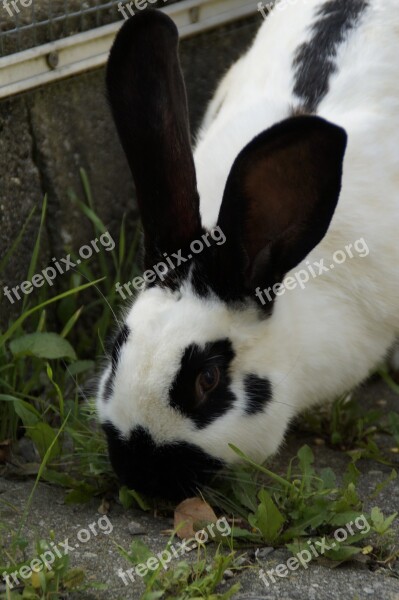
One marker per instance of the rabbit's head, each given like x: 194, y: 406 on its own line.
x: 186, y: 378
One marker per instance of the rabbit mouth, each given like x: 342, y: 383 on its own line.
x: 172, y: 471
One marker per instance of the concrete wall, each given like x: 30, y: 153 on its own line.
x: 48, y: 134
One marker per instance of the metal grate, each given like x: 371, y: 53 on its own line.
x: 42, y: 21
x: 43, y: 45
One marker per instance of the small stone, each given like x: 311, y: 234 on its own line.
x: 368, y: 590
x: 26, y: 449
x: 89, y: 555
x: 228, y: 574
x: 243, y: 560
x: 135, y: 528
x: 263, y: 553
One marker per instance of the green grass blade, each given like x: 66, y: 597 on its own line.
x: 31, y: 311
x: 270, y: 474
x: 17, y: 241
x: 40, y: 473
x: 36, y: 249
x: 71, y: 322
x: 86, y: 187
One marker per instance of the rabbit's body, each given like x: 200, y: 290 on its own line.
x: 202, y: 361
x: 330, y: 345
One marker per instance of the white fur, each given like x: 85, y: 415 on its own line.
x: 321, y: 341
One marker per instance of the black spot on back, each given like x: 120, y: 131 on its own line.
x: 258, y: 392
x: 170, y: 470
x: 182, y: 392
x: 314, y: 62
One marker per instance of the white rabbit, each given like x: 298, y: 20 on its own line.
x: 216, y: 351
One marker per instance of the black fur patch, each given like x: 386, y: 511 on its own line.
x: 148, y: 100
x: 119, y: 340
x: 172, y: 471
x: 219, y: 272
x: 315, y: 60
x: 194, y: 360
x: 258, y: 392
x: 277, y: 205
x: 108, y: 387
x: 178, y: 265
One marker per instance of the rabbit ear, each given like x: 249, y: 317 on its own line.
x: 279, y: 200
x: 149, y: 105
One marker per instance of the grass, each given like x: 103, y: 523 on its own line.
x: 304, y: 506
x: 46, y: 364
x: 42, y: 380
x: 51, y: 582
x: 187, y: 580
x: 348, y: 427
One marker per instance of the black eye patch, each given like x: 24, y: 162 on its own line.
x: 258, y: 392
x: 194, y: 360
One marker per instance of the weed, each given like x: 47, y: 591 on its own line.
x: 41, y: 376
x: 186, y: 580
x: 303, y: 506
x: 33, y: 580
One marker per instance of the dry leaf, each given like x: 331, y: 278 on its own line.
x: 191, y: 511
x: 104, y: 507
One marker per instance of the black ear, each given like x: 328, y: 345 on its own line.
x: 149, y: 105
x: 278, y: 203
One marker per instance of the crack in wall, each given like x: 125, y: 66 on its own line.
x: 39, y: 161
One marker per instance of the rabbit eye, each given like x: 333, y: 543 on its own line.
x: 207, y: 381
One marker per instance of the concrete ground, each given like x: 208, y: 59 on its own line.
x: 101, y: 560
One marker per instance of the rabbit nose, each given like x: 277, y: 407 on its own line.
x: 169, y: 470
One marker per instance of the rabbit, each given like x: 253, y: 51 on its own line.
x: 296, y: 162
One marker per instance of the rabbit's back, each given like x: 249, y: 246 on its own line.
x: 333, y: 58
